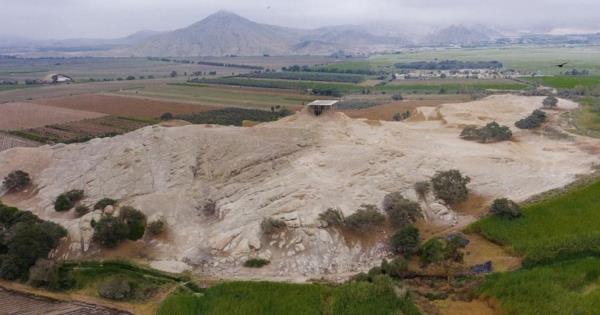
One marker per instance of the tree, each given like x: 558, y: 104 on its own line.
x: 104, y: 202
x: 271, y: 226
x: 422, y: 188
x: 44, y: 274
x: 505, y: 208
x: 15, y: 181
x: 173, y: 74
x: 157, y: 227
x: 397, y: 268
x: 550, y: 102
x: 397, y: 97
x: 66, y: 201
x: 110, y: 231
x: 450, y: 186
x: 444, y: 253
x: 491, y: 132
x: 400, y: 210
x: 364, y: 219
x: 135, y: 220
x: 405, y: 241
x: 333, y: 217
x: 536, y: 119
x: 166, y: 116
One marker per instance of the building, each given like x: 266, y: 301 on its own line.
x: 320, y: 106
x: 57, y: 78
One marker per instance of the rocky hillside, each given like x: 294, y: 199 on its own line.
x: 293, y: 170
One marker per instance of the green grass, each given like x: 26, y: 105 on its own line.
x: 560, y: 227
x: 568, y: 82
x: 250, y: 298
x: 231, y: 116
x: 568, y: 287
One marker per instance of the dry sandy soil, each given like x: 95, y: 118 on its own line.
x: 292, y: 169
x: 123, y: 106
x: 14, y: 116
x: 386, y: 111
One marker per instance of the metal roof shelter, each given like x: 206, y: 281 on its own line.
x: 319, y: 106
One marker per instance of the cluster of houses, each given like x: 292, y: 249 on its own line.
x: 481, y: 74
x: 53, y: 78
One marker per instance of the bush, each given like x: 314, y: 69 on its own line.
x: 450, y: 186
x: 44, y: 274
x: 401, y: 116
x: 67, y: 201
x: 16, y: 181
x: 110, y: 231
x: 422, y: 188
x: 82, y: 210
x: 333, y: 217
x: 505, y: 208
x: 210, y: 208
x: 166, y: 116
x: 115, y: 288
x: 135, y: 220
x: 397, y: 97
x: 405, y: 241
x: 550, y: 102
x: 271, y: 226
x: 365, y: 219
x: 256, y: 263
x: 431, y: 252
x: 400, y: 210
x: 157, y: 227
x: 536, y: 119
x: 492, y: 132
x: 103, y: 203
x: 396, y: 268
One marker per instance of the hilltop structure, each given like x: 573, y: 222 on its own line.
x: 320, y: 106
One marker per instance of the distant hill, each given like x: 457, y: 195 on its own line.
x: 461, y: 34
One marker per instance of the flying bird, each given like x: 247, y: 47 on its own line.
x: 562, y: 64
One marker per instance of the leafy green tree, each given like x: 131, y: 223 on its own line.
x: 16, y: 181
x: 110, y: 231
x: 405, y: 241
x: 450, y: 186
x: 365, y: 219
x: 135, y: 220
x: 400, y: 210
x: 550, y: 102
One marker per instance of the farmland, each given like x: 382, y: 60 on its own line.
x: 250, y: 298
x: 568, y: 82
x: 15, y: 116
x: 8, y: 142
x: 308, y: 76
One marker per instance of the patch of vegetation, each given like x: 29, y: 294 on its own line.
x: 157, y: 227
x: 250, y: 298
x: 397, y: 268
x: 568, y: 287
x: 104, y: 202
x: 82, y: 210
x: 271, y: 226
x: 166, y: 116
x: 308, y: 76
x: 16, y: 181
x: 110, y: 231
x: 405, y: 241
x: 66, y: 201
x: 401, y: 116
x: 25, y: 238
x: 232, y: 116
x: 256, y: 263
x: 365, y: 219
x: 115, y: 288
x: 550, y: 102
x: 505, y: 208
x: 568, y: 82
x: 559, y: 227
x: 449, y: 65
x: 135, y: 220
x: 333, y: 217
x: 490, y: 133
x: 450, y: 186
x: 422, y: 188
x: 446, y: 253
x: 536, y: 119
x: 400, y: 210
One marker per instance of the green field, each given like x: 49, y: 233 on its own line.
x: 249, y: 298
x: 566, y: 288
x: 568, y: 82
x: 562, y: 226
x: 308, y: 76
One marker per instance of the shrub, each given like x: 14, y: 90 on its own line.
x: 364, y: 218
x: 422, y: 188
x: 82, y: 210
x: 115, y: 288
x: 16, y: 181
x: 333, y: 217
x: 135, y: 220
x: 256, y: 263
x: 166, y: 116
x: 491, y: 132
x: 110, y: 231
x: 400, y: 210
x: 210, y: 208
x: 536, y: 119
x: 271, y: 226
x: 505, y: 208
x: 405, y: 241
x: 67, y: 201
x: 431, y: 252
x: 550, y: 102
x: 157, y: 227
x: 103, y: 203
x: 450, y: 186
x: 397, y: 97
x: 44, y: 274
x: 401, y: 116
x: 396, y: 268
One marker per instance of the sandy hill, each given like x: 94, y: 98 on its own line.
x: 291, y: 169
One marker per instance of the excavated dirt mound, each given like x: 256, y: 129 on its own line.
x: 292, y: 169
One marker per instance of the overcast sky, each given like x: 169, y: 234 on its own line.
x: 59, y: 19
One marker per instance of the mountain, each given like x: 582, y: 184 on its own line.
x: 461, y: 34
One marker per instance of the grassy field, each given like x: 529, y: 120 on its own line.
x: 309, y: 76
x: 231, y: 116
x: 568, y: 82
x: 562, y: 226
x: 250, y: 298
x: 569, y: 287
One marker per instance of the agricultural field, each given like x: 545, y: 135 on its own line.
x: 232, y: 116
x: 83, y: 130
x: 251, y: 298
x: 567, y: 82
x: 16, y: 116
x: 8, y: 142
x: 308, y: 76
x: 136, y: 107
